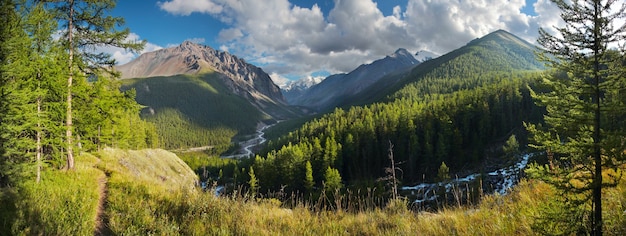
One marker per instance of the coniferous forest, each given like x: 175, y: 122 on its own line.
x: 84, y: 152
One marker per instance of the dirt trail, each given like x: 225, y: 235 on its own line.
x: 102, y: 220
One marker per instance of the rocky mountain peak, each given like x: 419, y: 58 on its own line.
x: 190, y: 58
x: 424, y: 55
x: 401, y: 52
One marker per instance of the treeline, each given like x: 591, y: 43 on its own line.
x: 37, y: 97
x: 194, y: 110
x: 176, y: 131
x: 454, y: 128
x: 450, y: 109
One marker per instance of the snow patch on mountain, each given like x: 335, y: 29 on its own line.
x: 301, y: 84
x: 423, y: 56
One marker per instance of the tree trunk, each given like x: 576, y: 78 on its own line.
x: 39, y: 151
x: 596, y: 224
x: 68, y: 121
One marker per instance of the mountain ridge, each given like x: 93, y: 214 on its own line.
x: 333, y: 90
x: 189, y: 58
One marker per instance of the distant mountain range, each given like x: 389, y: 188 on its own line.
x: 336, y: 89
x: 293, y: 89
x: 216, y: 90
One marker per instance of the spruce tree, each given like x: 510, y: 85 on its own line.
x: 584, y: 129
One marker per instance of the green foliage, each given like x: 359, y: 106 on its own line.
x: 309, y: 183
x: 511, y: 147
x: 209, y: 166
x: 450, y: 109
x: 194, y: 110
x: 443, y: 174
x: 253, y: 183
x: 35, y: 88
x: 32, y: 73
x: 149, y: 194
x: 332, y: 180
x: 584, y: 130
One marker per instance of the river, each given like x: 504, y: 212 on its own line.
x: 501, y: 180
x: 248, y: 145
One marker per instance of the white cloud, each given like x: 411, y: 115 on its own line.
x: 123, y: 56
x: 196, y: 40
x: 185, y: 7
x: 279, y: 79
x: 288, y: 39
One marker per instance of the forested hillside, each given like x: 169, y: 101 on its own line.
x: 194, y: 110
x: 451, y: 110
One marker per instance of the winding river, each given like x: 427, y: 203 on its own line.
x: 248, y: 145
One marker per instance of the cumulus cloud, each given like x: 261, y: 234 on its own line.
x: 123, y: 56
x: 285, y: 38
x: 185, y: 8
x: 279, y: 79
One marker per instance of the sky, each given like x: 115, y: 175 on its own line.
x: 293, y: 39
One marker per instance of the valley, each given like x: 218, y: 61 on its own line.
x: 412, y: 98
x: 251, y: 143
x: 341, y: 117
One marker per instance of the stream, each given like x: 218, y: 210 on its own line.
x: 501, y: 181
x: 248, y: 145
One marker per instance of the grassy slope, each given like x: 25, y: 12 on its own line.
x: 194, y: 110
x: 149, y: 192
x: 66, y: 202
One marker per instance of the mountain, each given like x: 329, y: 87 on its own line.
x: 190, y: 58
x: 336, y: 89
x: 499, y: 51
x: 457, y: 109
x: 296, y: 88
x: 198, y: 96
x: 423, y: 56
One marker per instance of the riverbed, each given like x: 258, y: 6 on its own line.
x: 247, y: 146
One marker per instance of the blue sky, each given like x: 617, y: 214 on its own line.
x: 292, y: 39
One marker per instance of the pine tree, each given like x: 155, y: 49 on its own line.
x: 87, y: 27
x: 584, y: 125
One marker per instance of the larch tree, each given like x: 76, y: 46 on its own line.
x: 309, y: 183
x: 9, y: 30
x: 584, y: 125
x: 31, y: 70
x: 87, y: 28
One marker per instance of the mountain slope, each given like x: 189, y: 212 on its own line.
x: 456, y: 109
x: 242, y: 79
x: 334, y: 90
x: 497, y: 51
x: 191, y: 58
x: 198, y: 96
